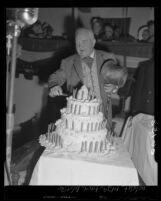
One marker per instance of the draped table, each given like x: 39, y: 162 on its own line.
x: 138, y: 138
x: 116, y: 168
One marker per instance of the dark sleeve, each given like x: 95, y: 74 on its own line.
x: 58, y: 77
x: 138, y: 88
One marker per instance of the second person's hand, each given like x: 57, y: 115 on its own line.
x: 55, y: 91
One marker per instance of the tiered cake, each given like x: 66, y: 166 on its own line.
x: 82, y: 127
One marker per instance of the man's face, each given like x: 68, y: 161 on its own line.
x: 145, y: 34
x: 96, y: 28
x: 117, y: 33
x: 84, y: 44
x: 108, y: 31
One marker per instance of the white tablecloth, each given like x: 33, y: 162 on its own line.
x: 138, y: 137
x: 69, y: 169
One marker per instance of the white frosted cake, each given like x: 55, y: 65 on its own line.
x: 82, y: 127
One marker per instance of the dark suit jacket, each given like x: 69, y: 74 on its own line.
x: 143, y: 95
x: 71, y: 72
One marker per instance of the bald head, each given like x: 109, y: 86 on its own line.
x: 85, y: 32
x: 85, y: 42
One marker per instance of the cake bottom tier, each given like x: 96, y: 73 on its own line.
x: 72, y: 144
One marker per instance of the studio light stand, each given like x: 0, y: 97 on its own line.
x: 23, y: 16
x: 10, y: 93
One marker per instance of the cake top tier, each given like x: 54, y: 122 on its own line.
x: 83, y: 94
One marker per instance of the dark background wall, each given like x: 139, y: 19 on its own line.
x: 57, y: 16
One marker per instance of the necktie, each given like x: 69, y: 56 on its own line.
x: 88, y: 61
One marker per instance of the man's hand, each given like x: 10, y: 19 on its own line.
x: 110, y: 89
x: 55, y: 91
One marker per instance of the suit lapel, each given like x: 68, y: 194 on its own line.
x: 99, y: 63
x: 99, y: 60
x: 78, y: 67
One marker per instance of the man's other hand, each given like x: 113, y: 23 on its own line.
x: 55, y: 91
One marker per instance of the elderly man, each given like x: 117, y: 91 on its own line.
x: 83, y: 68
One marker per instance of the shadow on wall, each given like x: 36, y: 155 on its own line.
x: 43, y: 68
x: 70, y: 25
x: 48, y: 66
x: 79, y: 23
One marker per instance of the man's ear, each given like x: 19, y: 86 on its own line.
x: 94, y: 42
